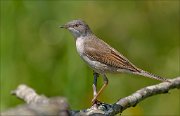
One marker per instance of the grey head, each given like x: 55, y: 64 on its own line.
x: 78, y: 28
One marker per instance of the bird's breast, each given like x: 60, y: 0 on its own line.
x: 80, y: 45
x: 95, y: 65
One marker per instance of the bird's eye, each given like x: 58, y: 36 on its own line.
x: 76, y: 25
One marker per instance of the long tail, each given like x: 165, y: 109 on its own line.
x: 150, y: 75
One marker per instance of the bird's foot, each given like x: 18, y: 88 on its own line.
x: 95, y: 100
x: 96, y: 103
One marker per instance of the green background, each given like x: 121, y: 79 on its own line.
x: 34, y: 51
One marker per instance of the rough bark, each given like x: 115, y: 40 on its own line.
x: 41, y: 105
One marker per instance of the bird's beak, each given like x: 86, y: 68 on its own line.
x: 63, y: 26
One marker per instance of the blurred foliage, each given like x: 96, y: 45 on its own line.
x: 34, y: 51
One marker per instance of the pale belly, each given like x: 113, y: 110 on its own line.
x: 95, y: 65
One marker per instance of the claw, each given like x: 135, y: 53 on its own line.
x: 94, y: 101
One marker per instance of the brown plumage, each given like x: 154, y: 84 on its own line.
x: 102, y: 52
x: 101, y: 57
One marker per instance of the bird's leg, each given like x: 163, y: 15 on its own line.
x: 96, y: 75
x: 105, y: 79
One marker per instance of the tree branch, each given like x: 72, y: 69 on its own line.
x: 41, y: 105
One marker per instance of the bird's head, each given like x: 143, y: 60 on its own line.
x: 78, y: 28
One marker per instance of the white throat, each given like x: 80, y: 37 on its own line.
x: 74, y: 32
x: 80, y: 45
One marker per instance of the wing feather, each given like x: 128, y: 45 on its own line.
x: 103, y: 53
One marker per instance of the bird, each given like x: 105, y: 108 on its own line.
x: 101, y: 57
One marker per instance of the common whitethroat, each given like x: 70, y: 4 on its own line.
x: 100, y: 56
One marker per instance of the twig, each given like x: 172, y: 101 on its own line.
x: 29, y: 95
x: 41, y: 105
x: 133, y: 99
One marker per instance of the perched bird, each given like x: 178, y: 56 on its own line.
x: 100, y: 56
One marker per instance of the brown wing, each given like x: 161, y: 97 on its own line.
x: 102, y: 52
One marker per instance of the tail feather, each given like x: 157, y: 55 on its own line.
x: 150, y: 75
